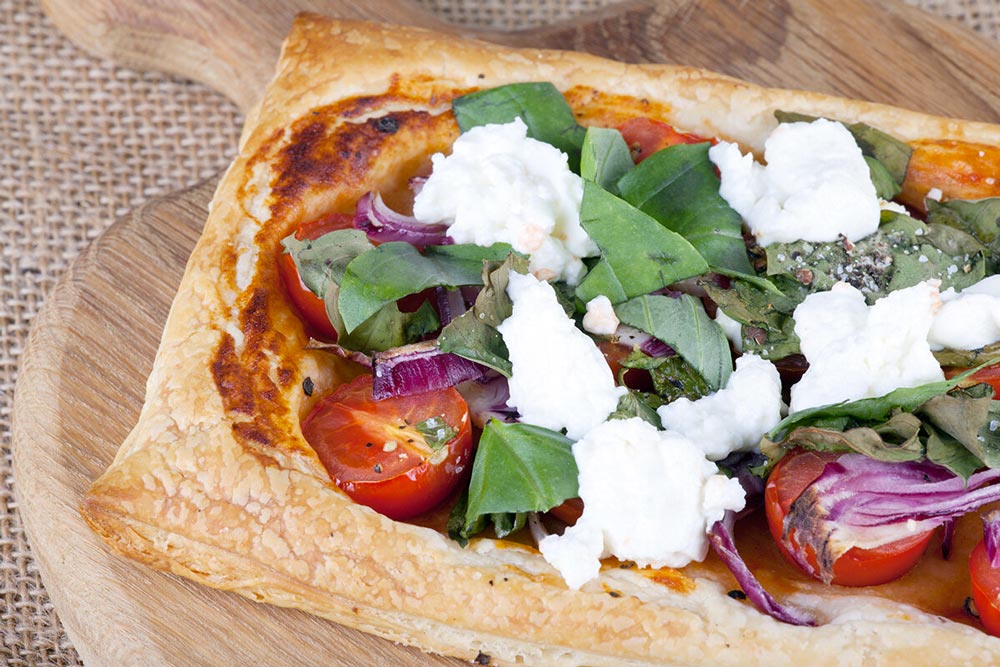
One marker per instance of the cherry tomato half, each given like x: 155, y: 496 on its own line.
x: 374, y: 451
x: 645, y: 136
x: 985, y: 589
x: 856, y: 567
x: 989, y: 375
x: 310, y: 307
x: 634, y: 378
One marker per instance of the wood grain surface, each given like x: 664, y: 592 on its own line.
x: 83, y: 373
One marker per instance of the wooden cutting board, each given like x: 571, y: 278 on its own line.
x: 83, y: 373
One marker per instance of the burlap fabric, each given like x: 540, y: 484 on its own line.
x: 83, y: 141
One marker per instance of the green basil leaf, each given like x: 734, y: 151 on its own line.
x: 387, y: 328
x: 393, y: 270
x: 458, y: 529
x: 505, y: 523
x: 683, y: 324
x: 968, y: 358
x: 638, y: 404
x: 539, y: 104
x: 962, y: 416
x: 322, y: 261
x: 606, y: 158
x: 520, y: 468
x: 885, y: 186
x: 766, y: 315
x: 638, y: 255
x: 900, y: 254
x: 989, y: 435
x: 979, y: 217
x: 892, y: 153
x: 436, y: 431
x: 679, y: 188
x: 947, y: 451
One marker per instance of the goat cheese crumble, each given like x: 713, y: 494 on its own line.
x: 499, y: 185
x: 970, y: 319
x: 600, y: 318
x: 649, y: 496
x: 734, y: 418
x: 560, y: 378
x: 858, y: 351
x: 816, y: 185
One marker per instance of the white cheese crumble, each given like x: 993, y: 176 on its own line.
x: 600, y: 318
x: 970, y: 319
x: 732, y: 329
x: 734, y: 418
x: 816, y: 185
x: 499, y: 185
x: 856, y: 351
x: 649, y: 496
x: 560, y: 378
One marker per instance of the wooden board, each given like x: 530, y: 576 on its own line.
x: 83, y: 373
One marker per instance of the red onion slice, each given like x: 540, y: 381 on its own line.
x: 414, y: 369
x: 487, y: 399
x: 720, y: 536
x: 382, y: 224
x: 991, y: 536
x: 633, y: 338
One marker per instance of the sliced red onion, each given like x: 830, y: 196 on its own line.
x: 948, y: 539
x: 720, y: 536
x: 991, y: 537
x: 416, y: 184
x: 538, y: 530
x: 633, y: 338
x: 858, y: 501
x: 414, y: 369
x: 382, y: 224
x: 450, y: 304
x: 352, y: 355
x: 487, y: 399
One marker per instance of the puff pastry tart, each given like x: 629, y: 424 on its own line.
x: 531, y: 357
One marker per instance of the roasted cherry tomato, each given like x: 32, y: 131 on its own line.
x: 375, y: 450
x: 856, y: 567
x: 569, y: 512
x: 985, y: 589
x: 961, y: 170
x: 309, y: 306
x: 634, y: 378
x: 645, y: 136
x: 989, y: 375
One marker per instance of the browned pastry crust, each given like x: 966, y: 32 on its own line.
x: 217, y: 484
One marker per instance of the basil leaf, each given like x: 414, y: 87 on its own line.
x: 979, y: 217
x: 387, y: 328
x: 967, y: 358
x: 473, y: 334
x: 885, y: 186
x: 394, y: 270
x: 948, y: 452
x: 766, y: 315
x: 436, y: 431
x: 962, y: 416
x: 505, y: 523
x: 679, y: 188
x: 638, y: 404
x: 900, y: 254
x: 458, y: 529
x: 540, y: 105
x: 683, y: 324
x: 322, y: 261
x: 888, y: 150
x: 638, y: 255
x: 866, y: 410
x: 606, y: 157
x: 520, y: 468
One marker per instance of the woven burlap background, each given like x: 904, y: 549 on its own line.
x: 83, y: 141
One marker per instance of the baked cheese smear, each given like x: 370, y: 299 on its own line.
x: 614, y: 305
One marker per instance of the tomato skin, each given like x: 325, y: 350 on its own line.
x: 985, y: 589
x: 569, y: 512
x: 857, y: 566
x: 989, y: 375
x: 634, y: 378
x: 376, y: 456
x: 310, y: 307
x: 645, y: 136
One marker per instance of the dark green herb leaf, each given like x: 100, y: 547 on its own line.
x: 606, y: 158
x: 885, y: 186
x: 436, y: 431
x: 980, y: 218
x: 322, y: 261
x: 766, y: 315
x: 683, y: 324
x: 387, y: 328
x: 638, y: 404
x: 678, y: 187
x: 458, y: 529
x: 540, y: 105
x: 969, y: 358
x: 393, y: 270
x: 505, y: 523
x: 520, y: 468
x: 638, y: 255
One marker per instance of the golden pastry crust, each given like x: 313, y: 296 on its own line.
x: 216, y: 483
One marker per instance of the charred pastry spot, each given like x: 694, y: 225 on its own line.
x: 285, y: 376
x: 248, y: 431
x: 614, y: 593
x: 308, y: 386
x: 231, y: 382
x: 737, y: 594
x: 387, y: 124
x: 627, y: 565
x: 482, y: 659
